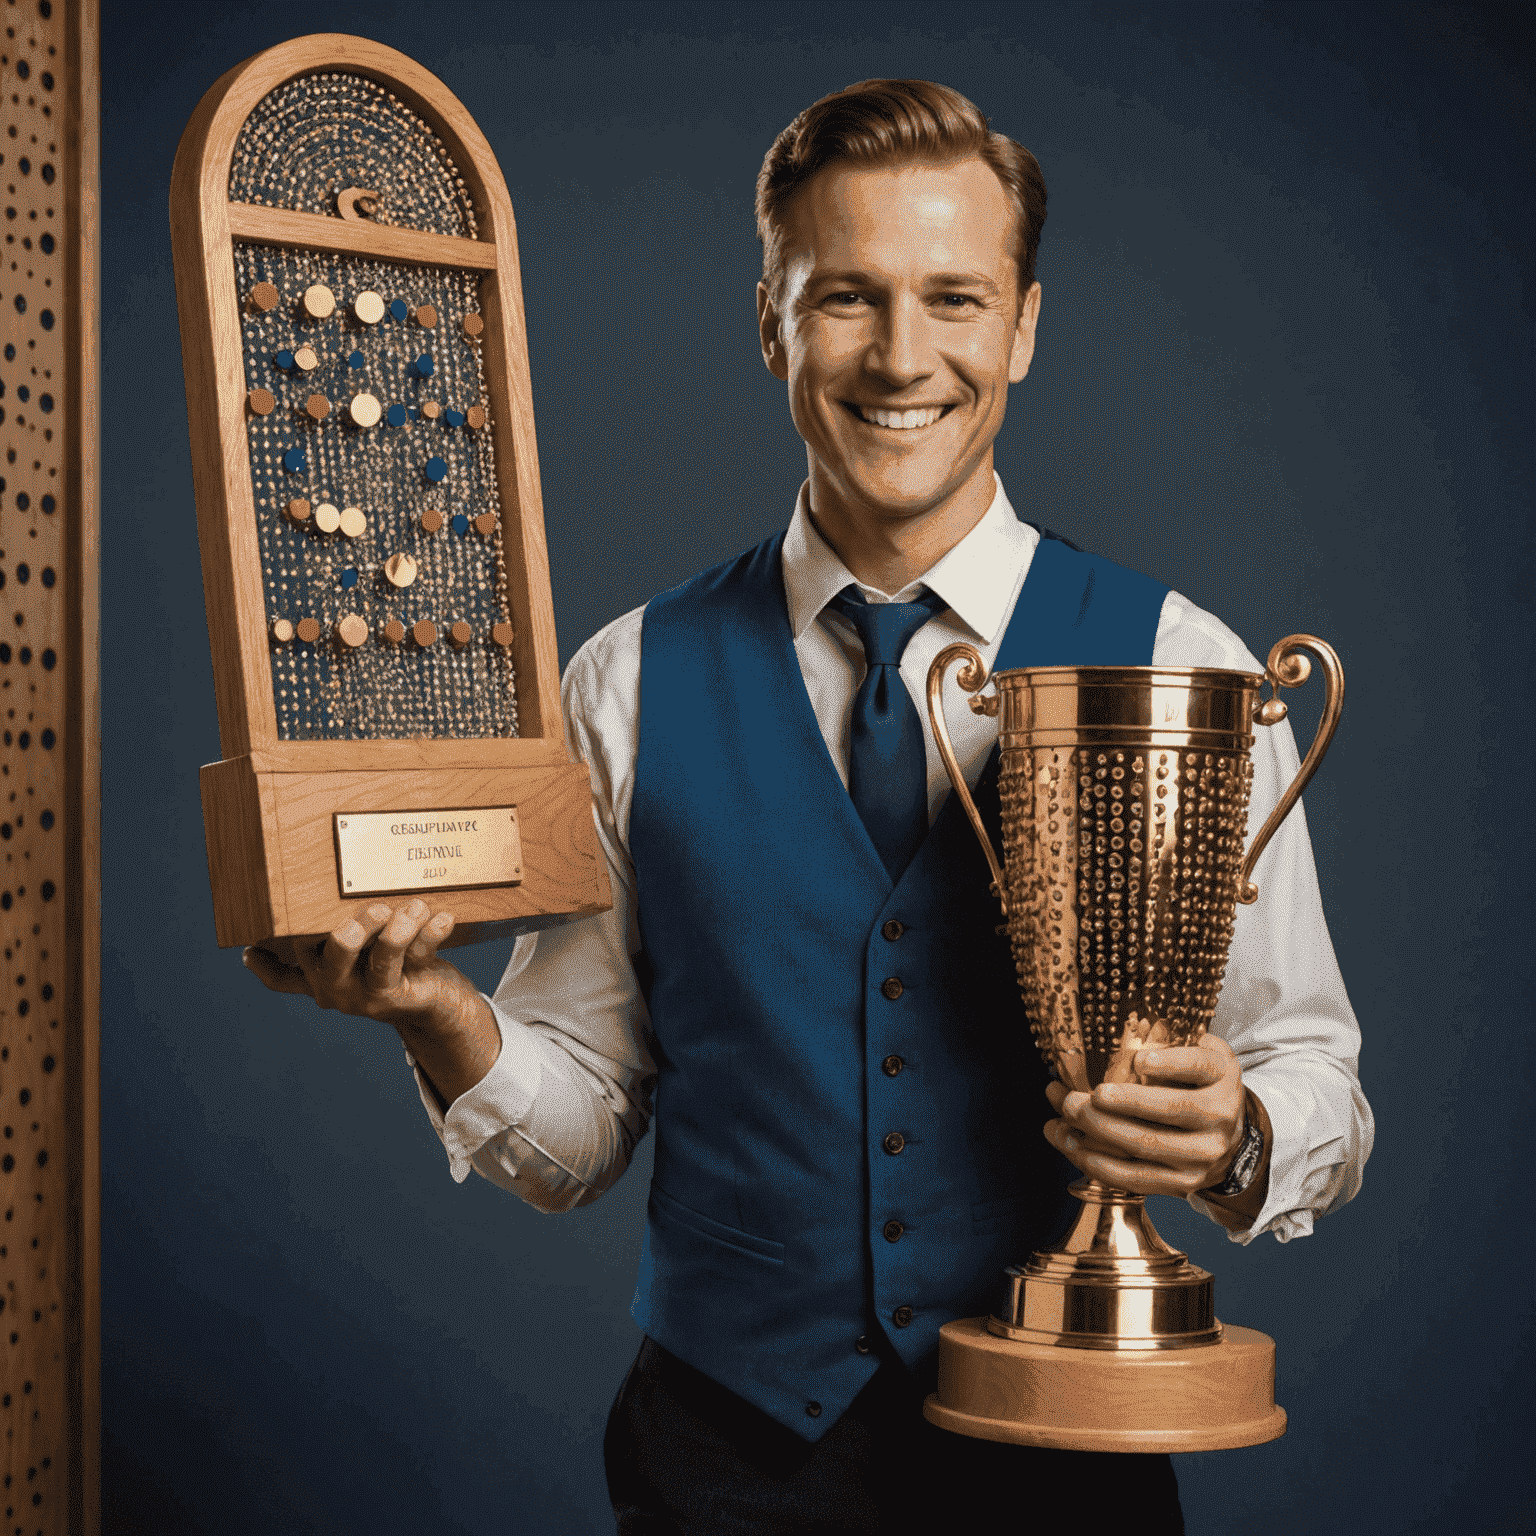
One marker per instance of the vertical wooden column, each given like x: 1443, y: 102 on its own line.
x: 49, y: 770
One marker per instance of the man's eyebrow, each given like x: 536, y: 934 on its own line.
x: 962, y: 280
x: 855, y: 278
x: 851, y: 276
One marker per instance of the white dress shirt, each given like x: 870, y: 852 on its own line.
x: 557, y: 1117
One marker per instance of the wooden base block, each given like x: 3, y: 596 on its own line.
x: 1211, y: 1398
x: 272, y: 852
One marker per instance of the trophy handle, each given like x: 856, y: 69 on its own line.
x: 972, y: 677
x: 1288, y: 667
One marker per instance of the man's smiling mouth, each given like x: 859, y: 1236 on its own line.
x: 899, y: 421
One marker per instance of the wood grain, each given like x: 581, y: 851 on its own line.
x: 416, y: 753
x: 385, y: 242
x: 50, y: 757
x: 272, y: 856
x: 83, y: 762
x: 1215, y: 1397
x: 248, y: 894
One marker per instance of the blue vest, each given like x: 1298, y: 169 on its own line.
x: 805, y: 1010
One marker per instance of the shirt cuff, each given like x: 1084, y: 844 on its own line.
x: 500, y: 1099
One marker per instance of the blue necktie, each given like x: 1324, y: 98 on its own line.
x: 887, y: 764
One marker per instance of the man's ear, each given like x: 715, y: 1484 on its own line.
x: 1024, y: 335
x: 775, y: 358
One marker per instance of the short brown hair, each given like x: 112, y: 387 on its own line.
x: 893, y: 122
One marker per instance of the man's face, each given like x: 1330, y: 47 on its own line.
x: 899, y: 332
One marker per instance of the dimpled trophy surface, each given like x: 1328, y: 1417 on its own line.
x: 1121, y: 866
x: 1124, y: 814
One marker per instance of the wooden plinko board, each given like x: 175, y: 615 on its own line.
x: 369, y: 508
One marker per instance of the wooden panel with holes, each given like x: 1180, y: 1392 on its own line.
x: 49, y: 881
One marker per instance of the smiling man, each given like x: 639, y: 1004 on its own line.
x: 800, y: 983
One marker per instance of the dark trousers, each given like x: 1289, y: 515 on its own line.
x: 687, y: 1457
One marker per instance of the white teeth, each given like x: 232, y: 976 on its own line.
x: 902, y: 421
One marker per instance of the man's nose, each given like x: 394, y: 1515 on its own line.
x: 900, y: 352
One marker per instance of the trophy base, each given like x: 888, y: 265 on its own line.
x: 1208, y: 1397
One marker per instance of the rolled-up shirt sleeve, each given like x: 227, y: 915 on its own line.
x: 557, y: 1118
x: 1283, y: 1008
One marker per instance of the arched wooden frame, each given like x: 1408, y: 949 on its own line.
x: 268, y: 806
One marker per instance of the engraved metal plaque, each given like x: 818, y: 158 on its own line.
x: 387, y: 853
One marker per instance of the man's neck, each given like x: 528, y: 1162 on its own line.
x: 887, y: 553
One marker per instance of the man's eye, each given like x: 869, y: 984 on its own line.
x: 957, y: 301
x: 845, y: 299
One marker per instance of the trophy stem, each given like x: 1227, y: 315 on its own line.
x: 1110, y: 1283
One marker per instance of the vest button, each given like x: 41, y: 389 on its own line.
x: 862, y: 1344
x: 892, y: 1065
x: 892, y: 930
x: 813, y: 1410
x: 894, y: 1142
x: 892, y: 987
x: 893, y: 1231
x: 902, y: 1316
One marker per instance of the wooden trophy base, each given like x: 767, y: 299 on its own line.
x: 1211, y: 1397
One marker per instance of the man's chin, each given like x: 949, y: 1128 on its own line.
x: 898, y: 499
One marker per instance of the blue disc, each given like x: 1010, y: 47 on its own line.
x: 395, y: 416
x: 356, y: 360
x: 349, y: 577
x: 293, y: 461
x: 460, y: 524
x: 454, y: 418
x: 436, y: 469
x: 399, y: 308
x: 284, y: 360
x: 424, y: 365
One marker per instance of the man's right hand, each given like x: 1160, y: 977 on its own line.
x: 384, y: 966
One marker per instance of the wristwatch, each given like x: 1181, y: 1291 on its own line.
x: 1250, y: 1152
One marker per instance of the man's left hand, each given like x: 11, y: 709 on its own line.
x: 1174, y: 1132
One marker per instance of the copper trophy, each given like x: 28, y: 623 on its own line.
x: 1125, y: 804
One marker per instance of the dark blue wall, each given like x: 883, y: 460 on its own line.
x: 1284, y: 363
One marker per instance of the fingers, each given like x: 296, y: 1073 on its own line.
x: 1163, y: 1132
x: 1186, y: 1109
x: 1121, y: 1172
x: 424, y: 946
x: 336, y: 964
x: 367, y: 964
x: 409, y: 936
x: 1197, y: 1066
x: 273, y: 974
x: 1171, y: 1133
x: 397, y: 931
x: 1167, y: 1128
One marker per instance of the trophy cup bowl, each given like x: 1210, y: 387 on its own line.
x: 1124, y: 810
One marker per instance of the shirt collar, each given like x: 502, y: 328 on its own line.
x: 977, y: 578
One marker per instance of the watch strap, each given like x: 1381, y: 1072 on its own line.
x: 1250, y: 1153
